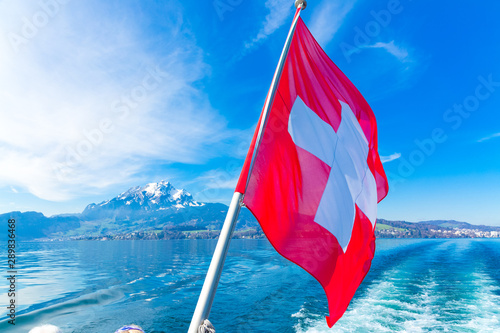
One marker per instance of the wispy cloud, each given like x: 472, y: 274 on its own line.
x: 327, y: 18
x: 279, y: 10
x: 90, y: 99
x: 215, y: 185
x: 402, y: 66
x: 390, y: 158
x: 399, y: 52
x: 496, y: 135
x: 220, y: 179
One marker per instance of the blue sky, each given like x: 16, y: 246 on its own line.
x: 97, y: 97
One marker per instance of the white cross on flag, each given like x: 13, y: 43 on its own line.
x: 317, y: 176
x: 350, y: 182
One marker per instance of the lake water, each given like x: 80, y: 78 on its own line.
x: 414, y: 286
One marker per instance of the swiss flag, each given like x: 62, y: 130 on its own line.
x: 317, y: 176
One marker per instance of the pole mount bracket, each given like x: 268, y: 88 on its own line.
x: 301, y: 2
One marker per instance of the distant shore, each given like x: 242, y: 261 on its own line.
x: 381, y: 233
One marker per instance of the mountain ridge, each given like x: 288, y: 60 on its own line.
x: 151, y: 197
x: 161, y: 209
x: 152, y: 207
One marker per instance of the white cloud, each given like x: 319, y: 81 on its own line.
x: 400, y: 53
x: 220, y: 179
x: 216, y: 185
x: 390, y: 158
x: 328, y: 18
x: 279, y: 11
x: 87, y: 100
x: 496, y: 135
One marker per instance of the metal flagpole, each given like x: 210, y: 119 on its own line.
x: 301, y: 5
x: 215, y: 269
x: 213, y: 275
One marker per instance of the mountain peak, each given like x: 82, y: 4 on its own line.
x: 150, y: 197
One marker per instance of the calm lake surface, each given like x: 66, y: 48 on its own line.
x: 414, y: 285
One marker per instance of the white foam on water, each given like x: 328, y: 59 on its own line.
x: 425, y: 316
x: 476, y: 311
x: 484, y: 312
x: 134, y: 281
x: 385, y: 307
x: 140, y: 293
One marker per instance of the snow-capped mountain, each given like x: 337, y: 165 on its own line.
x: 150, y: 197
x: 154, y: 206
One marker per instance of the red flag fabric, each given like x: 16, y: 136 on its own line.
x: 317, y: 176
